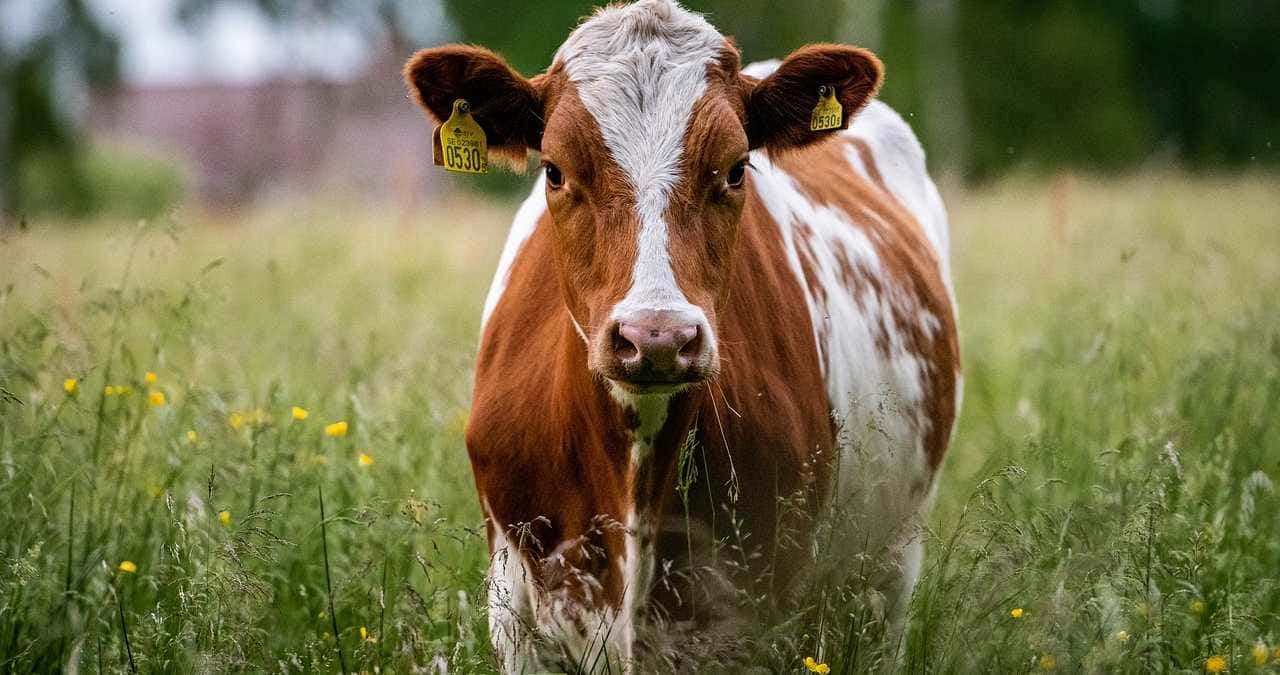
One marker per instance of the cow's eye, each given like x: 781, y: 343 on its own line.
x: 737, y: 175
x: 554, y: 177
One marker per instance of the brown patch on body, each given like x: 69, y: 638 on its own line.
x: 910, y: 270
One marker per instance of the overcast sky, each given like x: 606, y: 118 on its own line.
x: 236, y: 44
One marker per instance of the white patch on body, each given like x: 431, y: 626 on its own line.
x: 901, y: 161
x: 639, y: 69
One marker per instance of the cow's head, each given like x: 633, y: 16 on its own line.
x: 644, y: 125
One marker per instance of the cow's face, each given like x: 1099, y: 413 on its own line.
x: 644, y: 126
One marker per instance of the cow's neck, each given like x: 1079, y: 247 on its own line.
x: 652, y: 430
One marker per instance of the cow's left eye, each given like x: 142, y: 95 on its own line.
x: 554, y: 177
x: 737, y: 175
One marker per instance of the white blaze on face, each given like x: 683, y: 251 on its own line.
x: 639, y: 69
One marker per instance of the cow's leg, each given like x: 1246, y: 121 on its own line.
x: 885, y: 487
x: 896, y: 587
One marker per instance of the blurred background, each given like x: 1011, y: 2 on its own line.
x: 129, y: 108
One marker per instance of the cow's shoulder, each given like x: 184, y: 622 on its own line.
x: 891, y: 155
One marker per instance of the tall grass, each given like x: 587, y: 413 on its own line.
x: 1112, y: 477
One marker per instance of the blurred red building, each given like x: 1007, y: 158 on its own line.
x: 243, y: 142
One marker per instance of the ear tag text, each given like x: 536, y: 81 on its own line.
x: 459, y: 144
x: 828, y: 114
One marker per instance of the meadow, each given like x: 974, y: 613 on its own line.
x: 182, y: 399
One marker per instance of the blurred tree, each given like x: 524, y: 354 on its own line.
x: 1208, y: 74
x: 65, y: 50
x: 1052, y: 84
x: 1092, y: 84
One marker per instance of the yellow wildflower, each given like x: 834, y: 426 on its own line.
x: 150, y: 377
x: 815, y: 667
x: 224, y: 517
x: 299, y: 413
x: 365, y: 459
x: 322, y: 615
x: 337, y: 429
x: 70, y: 385
x: 127, y: 566
x: 1122, y: 636
x: 236, y: 420
x: 1048, y: 662
x: 1215, y: 664
x: 1196, y: 606
x: 123, y: 390
x: 108, y: 390
x: 193, y: 437
x: 1017, y: 612
x: 156, y: 398
x: 1259, y: 653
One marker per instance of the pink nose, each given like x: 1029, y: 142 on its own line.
x: 656, y: 348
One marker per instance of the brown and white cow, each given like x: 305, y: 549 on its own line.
x: 696, y: 270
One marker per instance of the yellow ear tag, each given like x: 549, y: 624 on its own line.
x: 828, y: 114
x: 460, y: 142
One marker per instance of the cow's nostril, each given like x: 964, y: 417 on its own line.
x: 623, y: 348
x: 693, y: 347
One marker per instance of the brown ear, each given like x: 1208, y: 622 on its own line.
x: 779, y: 107
x: 507, y: 106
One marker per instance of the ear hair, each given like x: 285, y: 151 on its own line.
x: 779, y: 107
x: 507, y: 106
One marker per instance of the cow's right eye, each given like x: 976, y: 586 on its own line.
x: 554, y: 178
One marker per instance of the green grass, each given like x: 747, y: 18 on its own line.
x: 1114, y: 469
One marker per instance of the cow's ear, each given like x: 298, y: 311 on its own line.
x: 507, y: 106
x: 780, y: 107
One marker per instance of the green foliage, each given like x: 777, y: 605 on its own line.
x: 1049, y: 85
x: 112, y: 181
x: 69, y: 48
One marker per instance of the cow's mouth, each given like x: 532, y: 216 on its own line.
x: 647, y: 384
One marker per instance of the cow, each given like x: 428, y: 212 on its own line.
x: 709, y: 322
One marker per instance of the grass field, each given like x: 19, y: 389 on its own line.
x: 1109, y: 503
